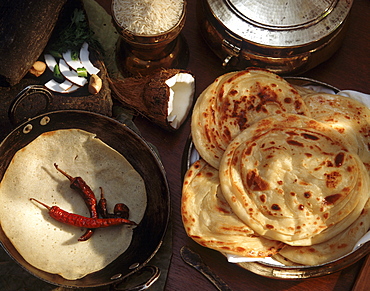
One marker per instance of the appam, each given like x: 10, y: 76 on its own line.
x: 52, y: 246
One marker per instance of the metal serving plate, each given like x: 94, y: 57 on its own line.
x: 279, y: 271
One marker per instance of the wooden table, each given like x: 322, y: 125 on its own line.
x: 349, y: 68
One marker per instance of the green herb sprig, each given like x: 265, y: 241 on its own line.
x: 74, y: 35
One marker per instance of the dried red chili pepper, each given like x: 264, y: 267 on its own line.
x: 120, y: 209
x: 88, y: 196
x: 77, y: 220
x: 102, y: 205
x: 88, y: 234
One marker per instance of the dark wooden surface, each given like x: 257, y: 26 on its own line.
x: 349, y: 68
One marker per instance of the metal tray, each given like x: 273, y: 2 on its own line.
x: 269, y: 270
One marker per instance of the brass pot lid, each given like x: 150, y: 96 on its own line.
x: 281, y: 23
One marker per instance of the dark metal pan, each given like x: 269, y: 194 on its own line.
x: 147, y: 236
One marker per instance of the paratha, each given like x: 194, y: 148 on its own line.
x: 52, y: 246
x: 233, y: 102
x: 348, y: 116
x: 209, y: 220
x: 293, y: 179
x: 338, y: 246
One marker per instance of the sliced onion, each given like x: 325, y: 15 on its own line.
x: 85, y: 60
x: 65, y: 87
x: 70, y: 74
x: 74, y: 64
x: 50, y: 62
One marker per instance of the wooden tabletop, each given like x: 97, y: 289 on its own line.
x: 348, y: 68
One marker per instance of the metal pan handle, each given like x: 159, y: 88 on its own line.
x: 25, y: 93
x: 153, y: 270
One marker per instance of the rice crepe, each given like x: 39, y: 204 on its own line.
x: 210, y: 221
x: 293, y: 179
x: 52, y: 246
x: 235, y: 101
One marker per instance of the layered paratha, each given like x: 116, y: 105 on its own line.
x: 286, y: 163
x: 233, y: 102
x: 293, y: 179
x: 338, y: 246
x: 348, y: 116
x: 209, y: 220
x: 52, y: 246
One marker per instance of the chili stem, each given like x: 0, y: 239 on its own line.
x: 43, y: 204
x: 70, y: 178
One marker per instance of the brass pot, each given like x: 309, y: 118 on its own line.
x: 287, y: 37
x: 140, y: 54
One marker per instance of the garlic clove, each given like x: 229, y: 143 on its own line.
x: 38, y: 68
x: 95, y: 84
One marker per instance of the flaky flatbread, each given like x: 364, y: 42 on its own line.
x: 52, y: 246
x: 233, y: 102
x: 209, y: 220
x: 290, y: 163
x: 348, y: 116
x: 293, y: 179
x: 338, y: 246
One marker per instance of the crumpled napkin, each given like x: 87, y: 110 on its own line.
x: 362, y: 97
x: 365, y: 99
x: 267, y: 260
x: 364, y: 239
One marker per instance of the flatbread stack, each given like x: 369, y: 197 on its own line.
x: 233, y: 102
x: 50, y: 245
x: 281, y: 173
x: 206, y: 212
x: 348, y: 116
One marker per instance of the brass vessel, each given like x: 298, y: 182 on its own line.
x: 286, y: 36
x: 141, y: 54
